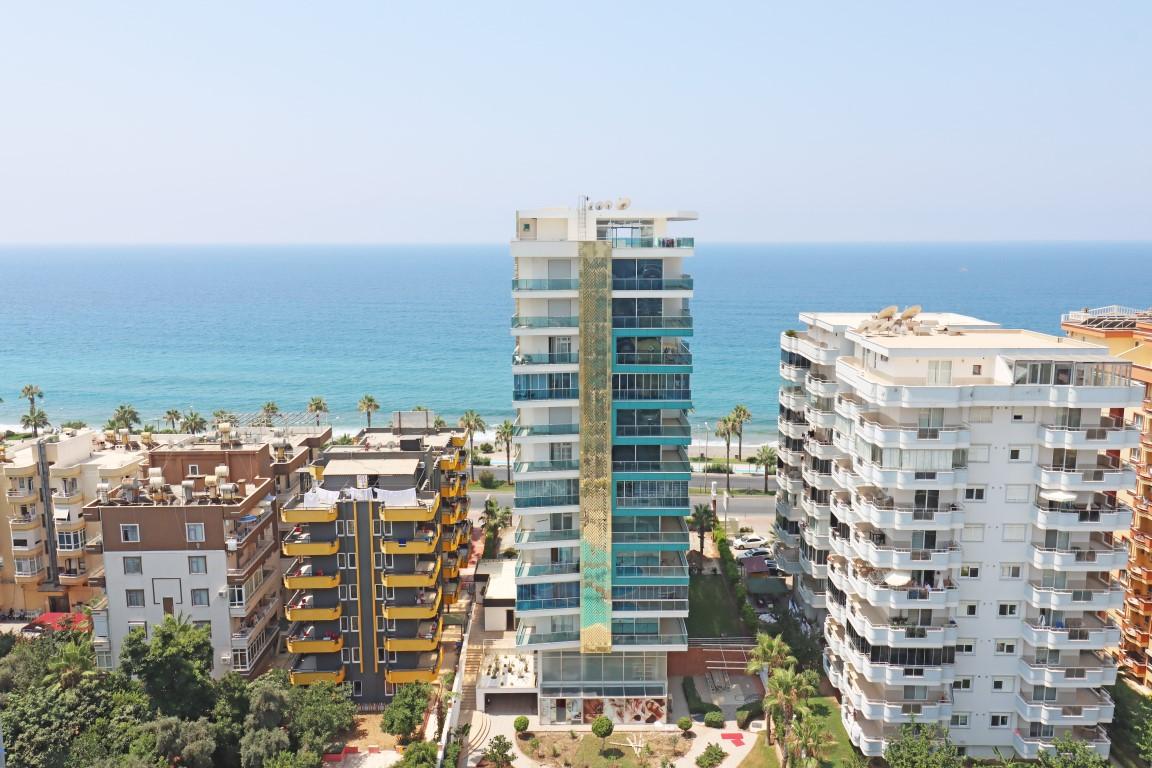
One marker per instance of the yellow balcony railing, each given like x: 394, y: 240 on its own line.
x: 416, y: 546
x: 426, y: 610
x: 423, y: 577
x: 315, y: 644
x: 313, y: 515
x: 451, y: 540
x: 420, y: 513
x: 428, y: 668
x: 301, y: 581
x: 451, y: 568
x: 428, y: 636
x: 450, y: 488
x: 307, y: 678
x: 451, y: 593
x: 454, y: 513
x: 301, y: 548
x: 308, y: 613
x: 457, y: 441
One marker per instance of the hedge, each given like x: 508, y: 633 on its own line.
x: 696, y: 705
x: 714, y: 719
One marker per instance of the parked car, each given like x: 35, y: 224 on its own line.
x: 750, y: 540
x: 757, y: 552
x: 767, y: 618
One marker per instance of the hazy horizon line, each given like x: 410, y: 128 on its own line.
x: 401, y: 243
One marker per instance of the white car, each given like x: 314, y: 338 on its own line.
x: 767, y: 618
x: 750, y: 540
x: 757, y: 552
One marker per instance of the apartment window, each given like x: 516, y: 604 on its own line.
x: 380, y: 592
x: 197, y: 564
x: 342, y: 561
x: 199, y: 597
x: 344, y: 623
x: 974, y: 493
x: 194, y: 532
x: 352, y: 561
x: 1003, y: 684
x: 1008, y: 610
x: 380, y: 624
x: 1017, y: 493
x: 977, y: 369
x: 1005, y: 646
x: 998, y: 720
x: 962, y: 684
x: 355, y: 655
x: 353, y: 623
x: 204, y: 624
x: 346, y: 655
x: 1011, y: 570
x: 978, y: 454
x: 972, y: 533
x: 1023, y: 415
x: 968, y: 608
x: 193, y: 470
x: 980, y: 414
x: 134, y: 598
x: 377, y: 527
x: 138, y: 625
x: 381, y: 655
x: 970, y: 571
x: 378, y: 560
x: 133, y: 565
x: 1014, y: 532
x: 959, y: 720
x: 939, y: 372
x: 357, y: 688
x: 129, y: 532
x: 1020, y: 453
x: 103, y: 659
x: 966, y: 646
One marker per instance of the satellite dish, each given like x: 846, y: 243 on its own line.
x: 910, y: 312
x: 888, y: 312
x: 623, y: 203
x: 599, y: 206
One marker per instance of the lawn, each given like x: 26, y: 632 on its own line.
x: 827, y: 709
x: 761, y: 756
x: 560, y: 748
x: 711, y: 610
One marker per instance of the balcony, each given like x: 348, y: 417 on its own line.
x: 672, y: 530
x: 308, y: 640
x: 299, y: 543
x: 25, y: 522
x: 821, y: 481
x: 1082, y: 517
x: 788, y: 561
x: 423, y: 510
x: 1093, y: 556
x: 527, y: 568
x: 564, y: 321
x: 71, y: 577
x: 897, y: 632
x: 1093, y: 595
x: 306, y: 515
x: 675, y: 463
x: 905, y: 557
x: 665, y: 357
x: 423, y: 542
x: 651, y: 505
x: 547, y: 358
x: 671, y: 568
x: 548, y: 605
x: 546, y: 393
x: 546, y: 430
x: 1088, y: 633
x: 424, y: 574
x: 793, y: 373
x: 537, y: 502
x: 558, y: 465
x: 69, y: 525
x: 681, y: 283
x: 874, y: 428
x: 67, y: 495
x: 792, y: 398
x: 1085, y: 706
x: 1030, y: 747
x: 1083, y: 670
x: 301, y: 607
x: 427, y: 669
x: 302, y: 575
x: 1108, y: 434
x: 820, y: 386
x: 823, y: 449
x: 667, y: 428
x: 550, y: 284
x: 819, y: 417
x: 875, y: 591
x: 910, y: 479
x: 96, y: 578
x: 451, y: 567
x: 672, y: 635
x: 878, y: 705
x: 884, y: 514
x: 534, y: 539
x: 1108, y: 474
x: 453, y: 487
x: 304, y: 672
x: 21, y: 493
x: 426, y: 607
x: 31, y: 577
x: 651, y: 394
x: 428, y: 636
x: 653, y: 322
x: 528, y: 635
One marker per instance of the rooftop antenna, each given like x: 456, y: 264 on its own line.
x: 582, y: 207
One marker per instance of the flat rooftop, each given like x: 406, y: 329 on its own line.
x: 842, y: 320
x: 501, y: 578
x: 368, y: 465
x: 1000, y: 340
x: 625, y: 214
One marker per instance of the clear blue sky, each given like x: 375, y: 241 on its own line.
x: 293, y: 121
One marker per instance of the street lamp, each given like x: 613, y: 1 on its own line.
x: 707, y: 434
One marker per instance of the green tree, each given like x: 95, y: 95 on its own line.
x: 420, y: 754
x: 173, y: 416
x: 268, y: 701
x: 725, y: 430
x: 809, y: 742
x: 405, y: 713
x: 32, y: 393
x: 228, y: 715
x: 787, y: 689
x: 473, y: 423
x: 183, y: 742
x: 1068, y: 752
x: 269, y: 411
x: 703, y: 518
x: 740, y: 416
x: 124, y: 417
x: 319, y: 712
x: 922, y: 746
x: 74, y: 424
x: 259, y: 748
x: 193, y: 423
x: 74, y: 661
x: 223, y: 415
x: 175, y: 667
x: 317, y: 406
x: 766, y: 458
x: 499, y: 752
x: 494, y: 519
x: 770, y: 653
x: 504, y: 434
x: 602, y: 727
x: 520, y: 725
x: 368, y: 406
x: 855, y: 760
x: 35, y: 421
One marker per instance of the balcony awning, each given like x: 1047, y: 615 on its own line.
x: 1060, y: 497
x: 898, y: 579
x: 59, y: 514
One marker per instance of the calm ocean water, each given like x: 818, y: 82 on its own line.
x: 233, y: 327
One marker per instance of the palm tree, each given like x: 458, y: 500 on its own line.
x: 740, y: 416
x: 124, y: 417
x: 193, y: 423
x: 504, y: 434
x: 74, y: 662
x: 269, y: 409
x: 725, y: 429
x: 317, y: 406
x: 172, y: 416
x: 35, y: 421
x: 495, y: 519
x: 765, y: 457
x: 473, y: 422
x: 702, y: 518
x: 30, y: 392
x: 368, y: 406
x: 787, y: 688
x: 771, y: 652
x: 222, y: 416
x: 809, y: 742
x: 439, y: 423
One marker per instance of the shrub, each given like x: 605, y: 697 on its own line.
x: 602, y: 728
x: 745, y: 529
x: 717, y: 468
x: 487, y: 479
x: 482, y: 461
x: 714, y: 719
x: 510, y: 554
x: 684, y: 724
x: 711, y: 757
x: 696, y: 705
x: 534, y: 745
x: 520, y: 724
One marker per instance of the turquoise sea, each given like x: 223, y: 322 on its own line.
x: 234, y: 326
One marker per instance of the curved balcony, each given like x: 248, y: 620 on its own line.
x: 72, y: 578
x: 792, y: 398
x: 422, y: 543
x: 816, y: 351
x: 67, y: 526
x: 1095, y: 557
x: 1086, y: 670
x: 821, y: 419
x: 427, y: 669
x: 1054, y: 518
x: 911, y: 479
x: 307, y: 644
x: 428, y: 637
x: 906, y: 558
x: 793, y: 373
x: 301, y: 575
x: 1089, y: 633
x: 905, y: 598
x: 19, y: 495
x: 874, y: 707
x: 821, y: 481
x: 873, y: 429
x: 307, y: 677
x: 31, y: 578
x: 25, y: 523
x: 895, y: 674
x: 821, y: 449
x: 905, y: 518
x: 795, y: 428
x: 300, y: 544
x: 425, y: 574
x: 428, y: 609
x: 1108, y: 435
x: 34, y: 548
x: 789, y: 482
x: 1029, y: 747
x: 309, y: 515
x: 820, y: 386
x: 1079, y: 707
x: 902, y: 635
x: 1108, y: 474
x: 1095, y: 596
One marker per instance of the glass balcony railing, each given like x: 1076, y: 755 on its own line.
x: 562, y: 393
x: 546, y: 569
x: 563, y: 465
x: 628, y: 638
x: 537, y: 537
x: 548, y: 604
x: 530, y: 636
x: 671, y: 357
x: 652, y: 242
x: 563, y: 500
x: 550, y: 284
x: 650, y: 605
x: 650, y: 502
x: 679, y: 571
x: 650, y: 321
x: 539, y: 430
x: 547, y: 358
x: 673, y: 429
x: 677, y: 393
x: 682, y: 283
x: 563, y: 321
x: 650, y: 537
x: 670, y: 465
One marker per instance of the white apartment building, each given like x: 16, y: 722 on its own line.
x: 601, y: 372
x: 948, y: 503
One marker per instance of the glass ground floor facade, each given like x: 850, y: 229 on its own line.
x: 631, y: 688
